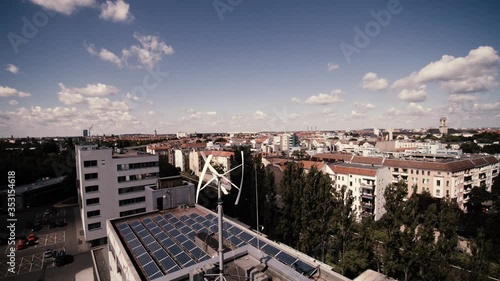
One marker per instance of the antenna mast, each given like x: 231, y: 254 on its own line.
x: 218, y: 178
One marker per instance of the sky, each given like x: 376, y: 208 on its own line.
x: 133, y: 66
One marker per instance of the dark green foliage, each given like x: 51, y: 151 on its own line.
x: 167, y: 169
x: 470, y: 147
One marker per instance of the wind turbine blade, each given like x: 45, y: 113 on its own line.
x: 242, y: 173
x: 202, y: 176
x: 230, y: 182
x: 224, y: 190
x: 231, y: 170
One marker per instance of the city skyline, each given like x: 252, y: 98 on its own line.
x: 130, y: 66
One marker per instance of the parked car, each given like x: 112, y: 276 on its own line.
x: 48, y: 254
x: 21, y: 244
x: 60, y: 258
x: 31, y: 238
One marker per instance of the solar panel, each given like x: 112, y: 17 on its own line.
x: 189, y: 263
x: 197, y: 253
x: 158, y: 217
x: 204, y: 258
x: 210, y: 217
x: 134, y: 243
x: 167, y: 243
x: 225, y: 234
x: 286, y: 258
x: 129, y: 237
x: 135, y: 223
x: 183, y: 258
x: 199, y: 219
x: 189, y: 245
x: 175, y: 250
x: 138, y: 251
x: 181, y: 238
x: 160, y: 254
x: 179, y: 224
x: 148, y: 239
x: 122, y: 226
x: 245, y: 236
x: 271, y: 250
x: 173, y: 220
x: 214, y: 228
x: 144, y: 259
x: 151, y: 269
x: 303, y: 267
x: 154, y: 246
x: 157, y: 275
x: 235, y: 240
x: 185, y: 229
x: 174, y: 232
x: 197, y: 226
x: 169, y: 216
x: 194, y: 215
x: 141, y: 234
x: 160, y: 236
x: 168, y: 264
x: 191, y: 235
x: 168, y: 227
x: 189, y: 221
x: 156, y: 230
x: 174, y: 269
x: 183, y: 218
x: 253, y: 242
x: 126, y: 231
x: 236, y: 231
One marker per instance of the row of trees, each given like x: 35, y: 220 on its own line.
x: 415, y: 240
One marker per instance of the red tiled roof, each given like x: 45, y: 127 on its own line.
x: 194, y: 145
x: 309, y: 164
x: 217, y: 153
x: 352, y: 170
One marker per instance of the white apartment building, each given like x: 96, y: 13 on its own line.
x: 367, y: 184
x: 220, y: 157
x: 112, y: 185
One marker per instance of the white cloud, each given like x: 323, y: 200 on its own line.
x: 486, y: 106
x: 461, y: 97
x: 412, y: 109
x: 295, y: 100
x: 12, y: 69
x: 259, y: 115
x: 66, y: 7
x: 211, y: 113
x: 475, y: 72
x: 332, y: 67
x: 13, y: 102
x: 131, y: 97
x: 106, y: 55
x: 324, y: 99
x: 373, y: 83
x: 414, y: 95
x: 11, y: 92
x: 293, y: 116
x: 151, y: 112
x: 116, y: 12
x: 148, y: 53
x: 364, y: 106
x: 356, y: 114
x: 94, y: 90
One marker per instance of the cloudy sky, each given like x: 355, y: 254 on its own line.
x: 130, y: 66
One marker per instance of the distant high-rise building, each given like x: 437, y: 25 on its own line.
x: 85, y: 133
x: 443, y: 126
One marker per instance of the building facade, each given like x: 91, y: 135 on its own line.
x: 112, y: 185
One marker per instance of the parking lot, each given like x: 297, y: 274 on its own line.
x: 31, y: 258
x: 28, y: 264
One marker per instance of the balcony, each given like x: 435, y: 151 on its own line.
x: 482, y: 176
x: 367, y: 195
x: 368, y: 205
x: 467, y: 190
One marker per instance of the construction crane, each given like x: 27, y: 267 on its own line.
x: 90, y: 128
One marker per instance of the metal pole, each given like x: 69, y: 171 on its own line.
x: 257, y: 203
x: 219, y: 211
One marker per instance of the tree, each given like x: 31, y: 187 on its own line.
x: 470, y: 147
x: 478, y: 264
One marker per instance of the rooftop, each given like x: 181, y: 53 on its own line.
x: 38, y: 184
x: 165, y: 244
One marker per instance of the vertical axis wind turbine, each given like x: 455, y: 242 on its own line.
x: 218, y: 177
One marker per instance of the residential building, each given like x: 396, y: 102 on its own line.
x: 367, y: 184
x: 112, y: 185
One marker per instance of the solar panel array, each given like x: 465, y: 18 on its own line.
x: 165, y: 244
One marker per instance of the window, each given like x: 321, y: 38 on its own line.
x: 91, y: 176
x: 350, y: 183
x: 130, y: 189
x: 396, y: 169
x: 428, y: 173
x: 125, y: 202
x: 95, y: 213
x: 426, y: 180
x: 93, y: 226
x: 447, y: 193
x: 417, y: 172
x: 91, y: 188
x: 131, y: 212
x: 137, y: 177
x: 92, y: 201
x: 438, y: 183
x: 123, y: 167
x: 411, y: 171
x: 90, y: 163
x: 447, y: 183
x: 122, y: 179
x: 423, y: 180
